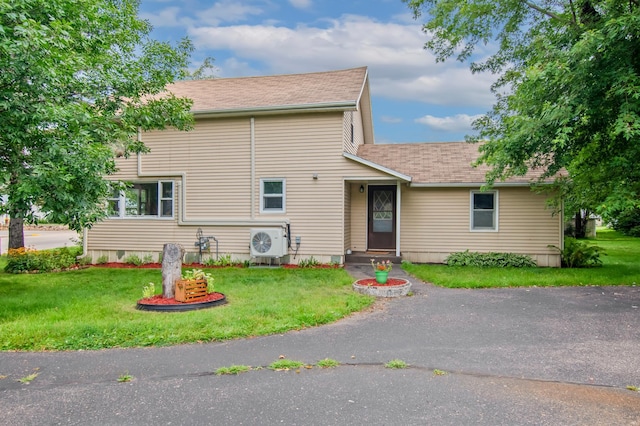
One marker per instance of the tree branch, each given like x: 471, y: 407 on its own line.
x: 544, y: 11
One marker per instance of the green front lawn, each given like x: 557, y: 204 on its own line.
x: 621, y: 266
x: 95, y: 308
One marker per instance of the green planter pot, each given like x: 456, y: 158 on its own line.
x: 381, y: 276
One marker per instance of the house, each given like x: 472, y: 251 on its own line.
x: 286, y: 166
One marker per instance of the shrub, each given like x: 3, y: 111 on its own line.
x: 628, y: 222
x: 578, y: 254
x: 29, y: 260
x: 493, y: 260
x: 133, y: 259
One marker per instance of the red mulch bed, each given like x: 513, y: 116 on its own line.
x: 374, y: 283
x: 195, y: 265
x: 159, y: 300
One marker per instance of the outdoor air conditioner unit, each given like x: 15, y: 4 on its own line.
x: 268, y: 242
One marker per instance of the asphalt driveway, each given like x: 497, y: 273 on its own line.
x: 505, y: 356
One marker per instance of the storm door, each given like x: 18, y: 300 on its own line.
x: 382, y: 218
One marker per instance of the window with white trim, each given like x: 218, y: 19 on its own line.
x: 484, y: 211
x: 143, y: 199
x: 272, y: 195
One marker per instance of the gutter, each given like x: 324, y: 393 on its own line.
x: 284, y: 109
x: 467, y: 184
x: 377, y: 166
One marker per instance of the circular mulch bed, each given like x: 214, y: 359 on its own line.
x: 160, y: 304
x: 394, y: 287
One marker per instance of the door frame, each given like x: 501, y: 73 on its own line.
x: 389, y: 242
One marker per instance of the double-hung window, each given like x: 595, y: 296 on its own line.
x: 484, y: 211
x: 272, y: 195
x: 143, y: 199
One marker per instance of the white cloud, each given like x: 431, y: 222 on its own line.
x: 221, y: 12
x: 300, y: 4
x: 456, y: 123
x: 390, y: 120
x: 399, y: 67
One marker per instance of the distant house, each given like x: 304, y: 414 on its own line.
x: 286, y: 166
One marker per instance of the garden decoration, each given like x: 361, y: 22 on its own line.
x: 382, y: 285
x: 180, y: 292
x: 381, y: 269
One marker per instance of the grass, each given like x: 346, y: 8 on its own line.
x: 328, y: 363
x: 396, y: 364
x: 233, y: 370
x: 124, y: 378
x: 94, y: 308
x: 621, y: 266
x: 285, y: 365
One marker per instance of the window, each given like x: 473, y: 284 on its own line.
x: 148, y: 199
x: 272, y: 195
x: 484, y: 211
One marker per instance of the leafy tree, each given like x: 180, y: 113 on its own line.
x: 78, y: 81
x: 568, y: 91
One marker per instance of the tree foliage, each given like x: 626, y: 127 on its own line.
x: 78, y: 81
x: 568, y: 92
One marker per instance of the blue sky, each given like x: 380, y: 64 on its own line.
x: 414, y: 98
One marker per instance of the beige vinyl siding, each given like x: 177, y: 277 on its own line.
x: 347, y: 215
x: 295, y: 148
x: 216, y: 158
x: 365, y: 115
x: 358, y: 218
x: 349, y: 140
x: 435, y: 222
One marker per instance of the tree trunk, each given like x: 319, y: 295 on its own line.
x: 16, y: 232
x: 172, y: 254
x: 581, y: 220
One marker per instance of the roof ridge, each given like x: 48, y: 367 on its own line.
x: 274, y: 75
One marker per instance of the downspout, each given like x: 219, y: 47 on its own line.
x: 398, y: 214
x: 253, y: 168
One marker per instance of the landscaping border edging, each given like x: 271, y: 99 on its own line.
x: 383, y: 291
x: 182, y: 307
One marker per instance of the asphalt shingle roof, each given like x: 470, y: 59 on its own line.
x: 435, y: 163
x: 273, y: 92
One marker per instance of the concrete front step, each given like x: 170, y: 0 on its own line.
x: 365, y: 257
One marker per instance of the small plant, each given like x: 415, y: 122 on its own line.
x: 439, y: 372
x: 102, y: 259
x: 578, y: 254
x: 147, y: 258
x: 633, y: 388
x: 385, y: 265
x: 148, y: 290
x: 199, y: 274
x: 84, y: 260
x: 133, y: 259
x: 310, y: 262
x: 125, y: 378
x: 328, y: 363
x: 285, y: 365
x: 28, y: 379
x: 396, y: 363
x: 233, y: 370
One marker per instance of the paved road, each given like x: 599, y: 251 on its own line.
x: 41, y: 240
x: 536, y: 356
